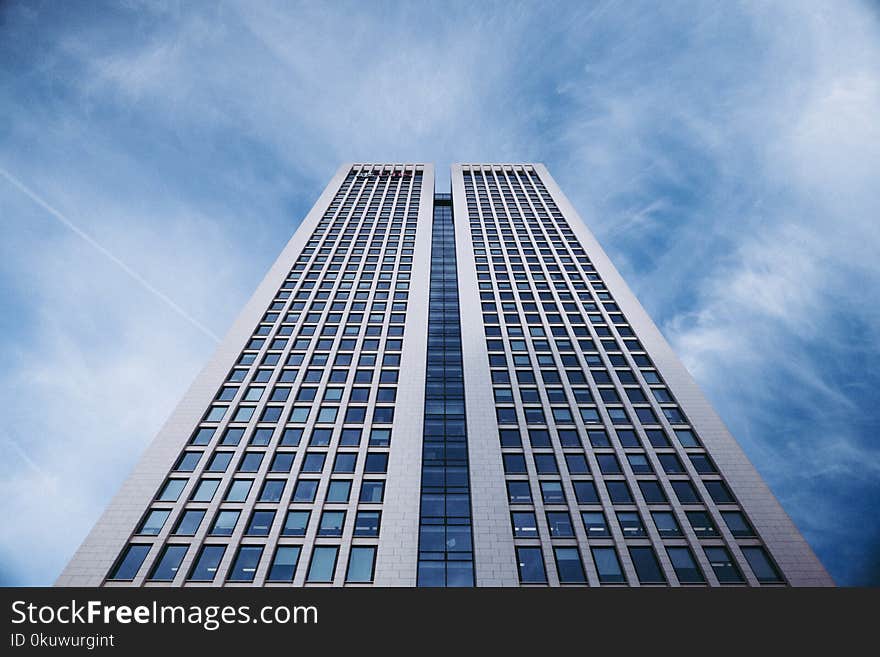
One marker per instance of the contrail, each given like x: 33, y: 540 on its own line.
x: 25, y: 456
x: 24, y: 189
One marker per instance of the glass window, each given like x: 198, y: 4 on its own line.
x: 171, y: 490
x: 652, y: 492
x: 250, y: 462
x: 272, y: 490
x: 130, y: 562
x: 372, y: 491
x: 232, y: 437
x: 702, y: 464
x: 167, y: 565
x: 224, y: 523
x: 345, y: 462
x: 595, y: 524
x: 628, y: 438
x: 338, y: 490
x: 305, y: 490
x: 188, y: 461
x: 366, y: 523
x: 331, y: 523
x: 685, y: 492
x: 585, y: 492
x: 667, y: 525
x: 630, y: 524
x: 619, y: 492
x: 762, y: 566
x: 738, y: 524
x: 205, y: 490
x: 284, y: 564
x: 530, y: 563
x: 519, y: 492
x: 719, y: 492
x: 514, y: 463
x: 524, y: 524
x: 291, y: 437
x: 260, y: 524
x: 723, y: 565
x: 510, y: 438
x: 608, y: 565
x: 360, y: 564
x: 608, y: 464
x: 295, y: 523
x: 569, y: 566
x: 551, y: 492
x: 202, y: 436
x: 153, y: 522
x: 239, y: 490
x: 657, y: 438
x: 205, y: 567
x: 702, y: 524
x: 670, y: 464
x: 686, y: 438
x: 219, y: 462
x: 647, y: 567
x: 380, y: 437
x: 189, y: 522
x: 282, y: 462
x: 323, y: 564
x: 320, y: 437
x: 560, y: 525
x: 684, y: 565
x: 639, y: 464
x: 383, y: 414
x: 546, y: 464
x: 246, y: 561
x: 313, y: 462
x: 377, y: 462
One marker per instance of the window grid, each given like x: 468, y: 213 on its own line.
x: 511, y: 216
x: 377, y: 208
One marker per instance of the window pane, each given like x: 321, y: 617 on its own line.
x: 245, y: 566
x: 686, y: 568
x: 189, y: 522
x: 722, y: 564
x: 531, y: 565
x: 646, y: 565
x: 172, y: 489
x: 323, y: 564
x: 568, y: 564
x: 260, y: 524
x: 360, y: 564
x: 167, y: 565
x: 594, y: 523
x: 225, y: 523
x: 608, y: 565
x: 153, y: 522
x: 761, y: 564
x: 205, y: 568
x: 295, y: 523
x: 284, y: 565
x: 130, y: 562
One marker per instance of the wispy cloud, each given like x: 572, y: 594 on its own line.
x: 27, y: 191
x: 725, y: 153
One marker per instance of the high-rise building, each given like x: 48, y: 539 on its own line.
x: 444, y: 390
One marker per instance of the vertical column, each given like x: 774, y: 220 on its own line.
x: 446, y: 555
x: 398, y: 546
x: 493, y: 539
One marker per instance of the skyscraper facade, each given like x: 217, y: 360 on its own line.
x: 444, y: 390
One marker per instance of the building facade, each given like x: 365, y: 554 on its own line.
x: 444, y: 390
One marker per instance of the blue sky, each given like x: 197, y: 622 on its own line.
x: 155, y: 157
